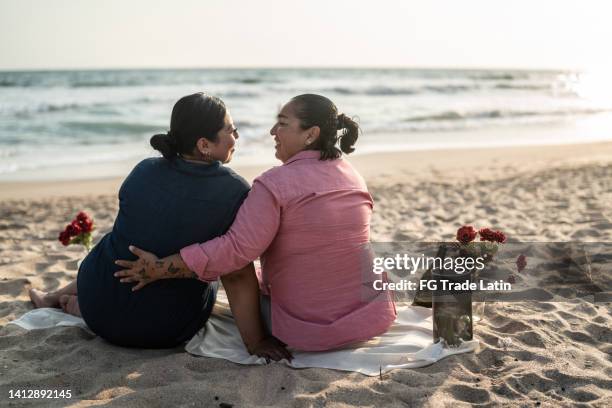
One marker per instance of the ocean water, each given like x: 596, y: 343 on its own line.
x: 70, y: 124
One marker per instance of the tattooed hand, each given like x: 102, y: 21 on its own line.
x: 148, y: 268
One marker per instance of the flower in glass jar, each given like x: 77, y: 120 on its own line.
x: 487, y: 234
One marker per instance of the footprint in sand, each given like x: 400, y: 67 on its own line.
x: 13, y: 287
x: 470, y: 394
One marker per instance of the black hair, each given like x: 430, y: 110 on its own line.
x: 317, y: 110
x: 193, y: 117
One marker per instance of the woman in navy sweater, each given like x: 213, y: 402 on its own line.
x: 165, y: 204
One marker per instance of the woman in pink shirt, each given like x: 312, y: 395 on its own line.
x: 309, y: 223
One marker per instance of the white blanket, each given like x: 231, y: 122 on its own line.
x: 408, y: 344
x: 45, y: 318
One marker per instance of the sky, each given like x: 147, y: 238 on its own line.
x: 73, y: 34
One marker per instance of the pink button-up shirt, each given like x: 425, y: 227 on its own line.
x: 309, y: 222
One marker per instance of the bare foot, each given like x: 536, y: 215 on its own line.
x: 70, y: 305
x: 43, y: 299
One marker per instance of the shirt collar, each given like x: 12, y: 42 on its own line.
x: 304, y: 154
x: 199, y: 169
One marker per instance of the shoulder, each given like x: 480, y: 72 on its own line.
x: 148, y: 166
x: 144, y: 170
x: 346, y: 167
x: 273, y: 174
x: 235, y: 180
x: 311, y: 175
x: 152, y: 163
x: 274, y: 179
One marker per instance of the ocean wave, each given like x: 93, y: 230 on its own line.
x: 392, y: 91
x: 8, y: 83
x: 105, y: 84
x: 66, y: 80
x: 384, y: 90
x: 451, y: 89
x: 444, y: 89
x: 449, y: 115
x: 340, y: 90
x: 238, y: 94
x: 375, y: 91
x: 249, y: 80
x: 61, y: 160
x: 45, y: 108
x: 497, y: 113
x: 134, y: 78
x: 526, y: 87
x: 112, y: 127
x: 94, y: 109
x: 498, y: 75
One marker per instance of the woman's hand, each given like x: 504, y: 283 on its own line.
x: 271, y: 348
x: 148, y: 268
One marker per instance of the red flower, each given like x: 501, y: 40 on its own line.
x: 84, y: 221
x: 78, y: 231
x: 501, y: 237
x: 466, y: 234
x: 487, y: 234
x: 511, y: 279
x: 64, y: 238
x: 521, y: 262
x: 86, y: 225
x: 82, y: 216
x: 73, y: 229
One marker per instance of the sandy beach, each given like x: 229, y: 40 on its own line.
x: 560, y: 353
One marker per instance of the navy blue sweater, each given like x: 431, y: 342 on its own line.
x: 163, y: 206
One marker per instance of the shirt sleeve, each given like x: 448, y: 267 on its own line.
x: 249, y: 236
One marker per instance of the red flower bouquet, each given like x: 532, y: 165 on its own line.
x: 487, y: 246
x: 487, y: 234
x: 78, y: 231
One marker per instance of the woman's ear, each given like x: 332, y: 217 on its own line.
x: 203, y: 146
x: 313, y: 135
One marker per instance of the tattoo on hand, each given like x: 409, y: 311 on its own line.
x: 173, y: 269
x: 143, y: 273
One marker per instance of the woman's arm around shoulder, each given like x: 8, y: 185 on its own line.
x: 253, y: 230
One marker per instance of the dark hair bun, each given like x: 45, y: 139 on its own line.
x: 164, y: 144
x: 349, y: 136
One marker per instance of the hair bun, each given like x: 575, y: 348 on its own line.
x: 349, y: 134
x: 165, y: 144
x: 170, y: 139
